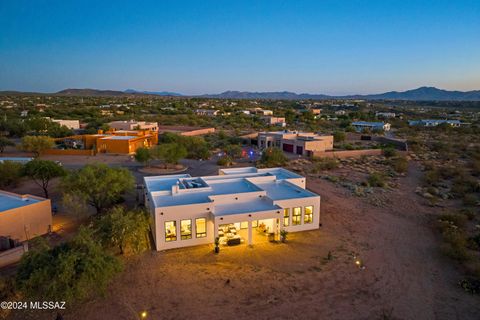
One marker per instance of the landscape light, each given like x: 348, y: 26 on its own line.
x: 143, y: 315
x: 357, y: 262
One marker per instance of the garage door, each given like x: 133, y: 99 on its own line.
x: 287, y: 147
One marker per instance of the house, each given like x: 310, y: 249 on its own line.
x: 434, y: 122
x: 362, y: 126
x: 340, y: 112
x: 261, y: 111
x: 274, y: 121
x: 134, y: 125
x: 385, y: 114
x: 302, y: 143
x: 241, y: 205
x: 24, y: 113
x: 70, y: 124
x: 207, y: 112
x: 23, y: 217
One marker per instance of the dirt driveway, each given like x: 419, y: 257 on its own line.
x: 405, y: 276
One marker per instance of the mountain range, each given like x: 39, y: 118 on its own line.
x: 419, y: 94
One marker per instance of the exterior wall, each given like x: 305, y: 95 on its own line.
x: 12, y: 256
x: 198, y: 132
x: 26, y: 222
x: 133, y: 125
x: 302, y: 203
x: 290, y: 141
x: 70, y: 152
x: 71, y: 124
x: 348, y: 153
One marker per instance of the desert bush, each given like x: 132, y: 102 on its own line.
x: 376, y: 179
x: 470, y: 199
x: 389, y: 152
x: 225, y: 161
x: 325, y: 164
x: 431, y: 177
x: 457, y: 219
x: 400, y: 164
x: 10, y: 173
x: 463, y: 185
x: 273, y: 157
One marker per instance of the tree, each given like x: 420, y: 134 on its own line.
x: 127, y: 230
x: 42, y: 172
x: 4, y: 142
x: 99, y: 185
x: 339, y: 136
x: 143, y: 155
x: 171, y: 153
x: 36, y: 144
x: 69, y: 272
x: 10, y: 173
x: 233, y: 150
x: 273, y: 157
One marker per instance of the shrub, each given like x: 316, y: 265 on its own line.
x: 325, y: 164
x: 457, y: 219
x: 389, y: 152
x: 10, y: 173
x: 470, y: 199
x: 273, y: 157
x: 400, y: 164
x: 225, y: 161
x: 376, y: 180
x: 339, y: 136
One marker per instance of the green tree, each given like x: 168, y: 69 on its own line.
x: 339, y: 136
x: 273, y: 157
x: 126, y: 230
x: 143, y: 155
x: 10, y: 173
x: 4, y: 142
x: 233, y: 150
x: 171, y: 153
x: 69, y: 272
x: 42, y: 172
x: 99, y: 185
x: 36, y: 144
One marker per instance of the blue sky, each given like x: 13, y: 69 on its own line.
x: 192, y: 47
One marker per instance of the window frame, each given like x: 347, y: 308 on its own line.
x: 297, y: 218
x: 167, y: 239
x: 186, y: 237
x: 200, y: 234
x: 309, y: 214
x: 286, y: 217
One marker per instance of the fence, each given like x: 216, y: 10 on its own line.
x: 12, y: 255
x: 348, y: 153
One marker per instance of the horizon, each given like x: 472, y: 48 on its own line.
x: 348, y: 48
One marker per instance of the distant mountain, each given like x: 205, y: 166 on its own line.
x: 157, y: 93
x: 419, y: 94
x: 89, y: 93
x: 283, y: 95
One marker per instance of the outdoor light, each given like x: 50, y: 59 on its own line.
x: 357, y: 262
x: 143, y: 315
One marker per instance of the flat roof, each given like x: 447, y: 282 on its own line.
x: 16, y: 159
x: 283, y: 190
x: 11, y: 201
x: 121, y: 137
x: 256, y: 205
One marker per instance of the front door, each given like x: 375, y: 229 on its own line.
x: 299, y: 150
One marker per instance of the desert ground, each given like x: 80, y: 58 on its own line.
x: 404, y: 275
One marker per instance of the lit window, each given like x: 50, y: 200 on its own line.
x: 286, y: 217
x: 185, y: 229
x: 244, y: 225
x: 170, y: 231
x: 308, y: 218
x: 201, y: 227
x: 254, y: 223
x: 297, y: 216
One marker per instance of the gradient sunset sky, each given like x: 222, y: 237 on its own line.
x: 194, y: 47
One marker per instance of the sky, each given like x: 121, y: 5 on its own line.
x: 196, y: 47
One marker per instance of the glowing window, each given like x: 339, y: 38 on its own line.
x: 244, y: 225
x: 254, y: 223
x: 297, y: 216
x: 170, y: 231
x: 308, y: 218
x: 286, y: 217
x: 201, y: 227
x: 185, y: 229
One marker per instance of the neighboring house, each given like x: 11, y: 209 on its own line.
x: 340, y: 112
x: 385, y: 114
x: 186, y: 130
x: 134, y: 125
x: 24, y: 113
x: 274, y: 121
x: 242, y: 205
x: 70, y: 124
x: 261, y: 111
x: 302, y: 143
x: 434, y: 122
x: 207, y: 112
x: 22, y: 160
x: 361, y: 126
x: 23, y: 217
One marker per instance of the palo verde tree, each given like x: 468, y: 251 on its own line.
x: 69, y: 272
x: 170, y: 153
x: 125, y: 230
x: 36, y: 144
x: 143, y: 155
x: 4, y: 142
x: 42, y: 172
x: 273, y: 157
x: 99, y: 185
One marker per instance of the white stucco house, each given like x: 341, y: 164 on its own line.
x: 240, y: 205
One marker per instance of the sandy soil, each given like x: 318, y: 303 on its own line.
x: 405, y: 276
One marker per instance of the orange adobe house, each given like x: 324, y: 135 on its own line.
x: 115, y: 141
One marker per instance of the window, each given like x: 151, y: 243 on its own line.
x: 170, y: 231
x: 185, y: 229
x: 201, y: 227
x: 286, y: 217
x: 297, y: 216
x: 308, y: 218
x: 244, y: 225
x: 254, y: 223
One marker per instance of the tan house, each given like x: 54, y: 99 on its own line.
x: 134, y: 125
x: 274, y: 121
x: 302, y: 143
x: 23, y: 217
